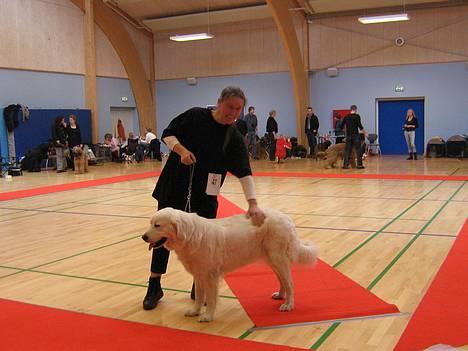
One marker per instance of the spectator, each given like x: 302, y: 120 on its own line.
x: 272, y: 130
x: 352, y: 123
x: 59, y: 138
x: 311, y: 129
x: 251, y: 121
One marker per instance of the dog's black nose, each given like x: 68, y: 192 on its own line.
x: 145, y: 237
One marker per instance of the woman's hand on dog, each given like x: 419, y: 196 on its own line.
x: 255, y: 213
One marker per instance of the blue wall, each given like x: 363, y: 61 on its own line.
x: 42, y: 90
x: 38, y: 90
x: 264, y: 91
x: 443, y: 86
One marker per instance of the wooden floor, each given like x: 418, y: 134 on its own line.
x: 81, y: 250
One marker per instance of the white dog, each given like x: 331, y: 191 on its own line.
x: 210, y: 248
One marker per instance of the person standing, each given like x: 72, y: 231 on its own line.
x: 311, y: 128
x: 205, y: 145
x: 59, y: 139
x: 352, y: 123
x: 251, y: 121
x: 411, y: 123
x: 339, y: 134
x: 74, y: 137
x: 242, y: 127
x: 272, y: 131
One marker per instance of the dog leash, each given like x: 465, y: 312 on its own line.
x: 188, y: 207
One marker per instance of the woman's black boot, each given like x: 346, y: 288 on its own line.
x: 410, y: 157
x: 154, y: 293
x: 415, y: 156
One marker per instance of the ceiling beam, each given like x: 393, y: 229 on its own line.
x: 299, y: 74
x: 212, y: 17
x: 110, y: 24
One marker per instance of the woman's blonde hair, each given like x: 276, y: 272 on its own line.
x: 412, y: 112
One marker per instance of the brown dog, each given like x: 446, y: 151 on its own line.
x: 334, y: 153
x: 80, y: 159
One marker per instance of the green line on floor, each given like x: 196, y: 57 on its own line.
x: 333, y: 327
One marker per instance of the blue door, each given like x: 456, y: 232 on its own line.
x: 392, y: 116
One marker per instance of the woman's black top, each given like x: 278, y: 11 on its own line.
x: 413, y: 123
x: 59, y: 135
x: 272, y: 125
x: 217, y: 148
x: 74, y: 136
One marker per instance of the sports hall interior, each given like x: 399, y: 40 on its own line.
x: 73, y: 267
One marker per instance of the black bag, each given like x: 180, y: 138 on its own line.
x: 139, y: 154
x: 10, y: 113
x: 155, y: 149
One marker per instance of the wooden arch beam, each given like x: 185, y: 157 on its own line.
x: 299, y: 73
x: 110, y: 24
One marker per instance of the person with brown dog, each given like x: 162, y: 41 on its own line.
x: 352, y: 123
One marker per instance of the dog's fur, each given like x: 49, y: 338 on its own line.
x: 334, y: 153
x: 80, y: 160
x: 210, y: 248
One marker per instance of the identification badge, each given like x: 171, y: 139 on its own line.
x: 214, y: 184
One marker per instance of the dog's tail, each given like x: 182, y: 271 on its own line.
x: 307, y: 253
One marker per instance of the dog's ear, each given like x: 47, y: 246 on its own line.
x: 173, y: 229
x: 178, y: 221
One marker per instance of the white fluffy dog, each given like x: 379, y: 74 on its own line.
x: 210, y: 248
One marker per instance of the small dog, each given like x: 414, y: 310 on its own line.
x: 210, y: 248
x: 335, y: 152
x: 80, y: 159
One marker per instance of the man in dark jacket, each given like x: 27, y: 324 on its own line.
x: 242, y: 127
x: 311, y: 129
x: 352, y: 123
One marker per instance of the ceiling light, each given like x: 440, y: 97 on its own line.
x: 189, y: 37
x: 384, y: 18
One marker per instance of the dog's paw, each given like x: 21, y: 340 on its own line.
x: 192, y: 312
x: 205, y: 317
x: 277, y: 296
x: 286, y: 307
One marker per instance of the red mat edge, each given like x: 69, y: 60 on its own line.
x: 361, y: 176
x: 75, y: 185
x: 146, y: 326
x: 5, y: 196
x: 407, y: 337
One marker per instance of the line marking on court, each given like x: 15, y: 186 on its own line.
x: 357, y: 248
x: 31, y: 270
x: 333, y: 327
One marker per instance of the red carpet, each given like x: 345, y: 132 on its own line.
x: 360, y: 176
x: 321, y: 293
x: 442, y: 315
x: 87, y: 183
x: 29, y: 327
x: 71, y: 186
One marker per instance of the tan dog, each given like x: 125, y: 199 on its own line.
x: 210, y: 248
x: 334, y: 153
x: 80, y: 159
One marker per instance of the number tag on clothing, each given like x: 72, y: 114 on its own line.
x: 214, y: 184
